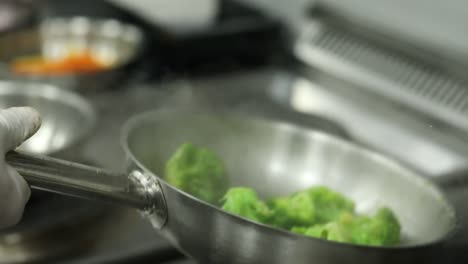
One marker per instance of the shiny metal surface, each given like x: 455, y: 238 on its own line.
x: 431, y: 83
x: 146, y: 186
x: 110, y: 41
x: 128, y: 238
x: 264, y: 155
x: 82, y: 181
x: 138, y: 190
x: 67, y: 118
x: 428, y: 145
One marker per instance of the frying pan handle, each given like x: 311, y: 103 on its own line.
x: 78, y: 180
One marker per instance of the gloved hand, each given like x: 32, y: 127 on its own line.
x: 16, y: 125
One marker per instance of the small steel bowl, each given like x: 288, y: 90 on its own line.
x: 67, y: 118
x: 108, y: 40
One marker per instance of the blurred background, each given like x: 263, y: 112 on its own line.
x: 389, y: 75
x: 433, y: 23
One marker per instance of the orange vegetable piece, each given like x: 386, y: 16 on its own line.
x: 78, y: 63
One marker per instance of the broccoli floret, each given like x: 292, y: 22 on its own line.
x: 329, y: 205
x: 317, y: 212
x: 313, y: 231
x: 331, y: 231
x: 381, y: 230
x: 317, y: 205
x: 245, y: 202
x: 297, y: 210
x: 339, y: 230
x: 197, y: 171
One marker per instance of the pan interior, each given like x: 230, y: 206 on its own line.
x: 278, y: 159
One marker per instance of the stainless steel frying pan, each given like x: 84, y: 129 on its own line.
x: 272, y: 157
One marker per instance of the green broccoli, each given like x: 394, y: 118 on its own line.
x: 317, y: 205
x: 317, y: 212
x: 331, y: 231
x: 381, y: 230
x: 339, y: 230
x: 329, y: 204
x: 197, y: 171
x: 313, y: 231
x: 297, y: 210
x: 245, y: 202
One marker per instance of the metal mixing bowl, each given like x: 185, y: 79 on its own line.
x: 109, y: 40
x: 66, y: 117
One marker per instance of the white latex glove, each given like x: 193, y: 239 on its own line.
x: 16, y: 125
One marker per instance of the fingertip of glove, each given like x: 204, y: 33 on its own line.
x: 19, y: 124
x: 34, y: 117
x: 27, y: 111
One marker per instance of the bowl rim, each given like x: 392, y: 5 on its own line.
x: 137, y: 53
x: 96, y: 20
x: 55, y: 94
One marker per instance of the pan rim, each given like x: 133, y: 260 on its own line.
x: 150, y: 116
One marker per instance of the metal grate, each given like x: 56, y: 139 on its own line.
x: 424, y: 83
